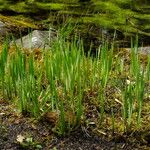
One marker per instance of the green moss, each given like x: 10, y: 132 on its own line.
x: 18, y: 23
x: 146, y: 27
x: 106, y: 6
x: 101, y: 19
x: 69, y: 12
x: 3, y: 6
x: 113, y: 14
x: 19, y: 7
x: 51, y: 6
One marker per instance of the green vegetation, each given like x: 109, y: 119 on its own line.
x: 65, y: 82
x: 126, y: 16
x: 83, y: 81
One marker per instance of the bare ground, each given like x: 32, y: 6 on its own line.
x: 18, y: 133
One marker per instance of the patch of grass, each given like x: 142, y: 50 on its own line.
x: 65, y: 81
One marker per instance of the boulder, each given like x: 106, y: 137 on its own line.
x: 36, y: 40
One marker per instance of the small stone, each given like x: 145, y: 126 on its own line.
x: 20, y: 138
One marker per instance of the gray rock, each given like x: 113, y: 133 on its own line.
x: 36, y: 39
x: 141, y: 50
x: 2, y: 24
x: 3, y: 30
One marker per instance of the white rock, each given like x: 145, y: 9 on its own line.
x: 36, y: 39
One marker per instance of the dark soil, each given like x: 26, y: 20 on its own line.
x: 18, y: 132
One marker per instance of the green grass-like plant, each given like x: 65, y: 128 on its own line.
x: 57, y: 80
